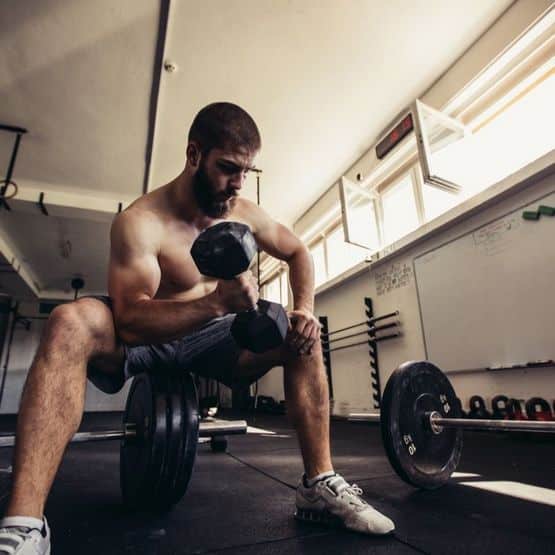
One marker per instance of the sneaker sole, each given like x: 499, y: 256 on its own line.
x: 328, y: 519
x: 318, y: 517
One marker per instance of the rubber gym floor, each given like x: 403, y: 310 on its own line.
x: 242, y: 501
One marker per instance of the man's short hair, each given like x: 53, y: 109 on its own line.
x: 224, y: 125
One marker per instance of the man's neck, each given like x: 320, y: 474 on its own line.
x: 183, y: 203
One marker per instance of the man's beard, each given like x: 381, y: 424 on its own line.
x: 206, y: 198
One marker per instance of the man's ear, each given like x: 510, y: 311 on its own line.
x: 193, y: 154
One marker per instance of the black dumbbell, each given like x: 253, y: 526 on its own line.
x: 538, y: 408
x: 499, y: 407
x: 224, y: 251
x: 514, y: 409
x: 478, y: 408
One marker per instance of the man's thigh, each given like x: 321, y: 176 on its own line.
x: 210, y: 352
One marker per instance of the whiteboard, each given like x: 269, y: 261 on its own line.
x: 487, y: 299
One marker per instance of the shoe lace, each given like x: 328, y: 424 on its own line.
x: 355, y: 490
x: 341, y: 488
x: 11, y: 538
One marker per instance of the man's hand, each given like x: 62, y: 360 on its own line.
x: 304, y: 331
x: 237, y: 294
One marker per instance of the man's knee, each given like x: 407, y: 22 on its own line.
x: 87, y: 322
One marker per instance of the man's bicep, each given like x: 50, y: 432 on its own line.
x: 277, y: 240
x: 134, y: 273
x: 134, y: 280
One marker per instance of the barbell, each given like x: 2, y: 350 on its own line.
x: 159, y: 438
x: 206, y: 429
x: 421, y: 426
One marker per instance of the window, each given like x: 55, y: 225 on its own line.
x: 358, y: 209
x: 277, y: 289
x: 516, y: 135
x: 439, y: 136
x: 399, y: 210
x: 320, y: 266
x: 501, y: 126
x: 510, y: 134
x: 437, y: 201
x: 284, y: 282
x: 342, y: 255
x: 272, y: 290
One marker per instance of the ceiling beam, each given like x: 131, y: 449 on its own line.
x: 35, y: 198
x: 22, y: 270
x: 155, y: 90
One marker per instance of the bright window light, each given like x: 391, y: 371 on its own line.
x: 319, y: 258
x: 284, y: 281
x: 359, y: 215
x: 399, y: 210
x: 272, y: 290
x: 437, y: 201
x: 341, y: 255
x: 518, y: 132
x: 527, y: 492
x: 517, y: 136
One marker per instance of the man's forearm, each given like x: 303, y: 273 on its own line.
x: 301, y: 278
x: 159, y: 321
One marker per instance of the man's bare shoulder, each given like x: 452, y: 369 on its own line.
x: 137, y: 226
x: 250, y: 213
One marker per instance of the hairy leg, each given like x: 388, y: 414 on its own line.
x: 53, y: 398
x: 306, y: 397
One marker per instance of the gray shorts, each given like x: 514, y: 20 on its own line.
x: 210, y: 352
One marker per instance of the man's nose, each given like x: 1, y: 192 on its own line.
x: 237, y: 180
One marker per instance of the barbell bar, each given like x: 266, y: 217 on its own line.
x: 436, y: 423
x: 206, y: 429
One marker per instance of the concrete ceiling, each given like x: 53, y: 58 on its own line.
x: 321, y: 77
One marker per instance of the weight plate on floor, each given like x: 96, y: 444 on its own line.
x: 142, y: 456
x: 174, y: 441
x: 421, y: 457
x: 189, y: 442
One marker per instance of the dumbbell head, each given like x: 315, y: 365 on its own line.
x: 224, y: 250
x: 263, y: 329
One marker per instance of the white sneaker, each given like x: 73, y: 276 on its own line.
x: 333, y: 501
x: 22, y: 540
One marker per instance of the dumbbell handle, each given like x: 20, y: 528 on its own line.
x: 206, y: 429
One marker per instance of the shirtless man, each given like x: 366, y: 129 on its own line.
x: 161, y: 309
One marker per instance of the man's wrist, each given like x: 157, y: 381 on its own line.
x: 214, y: 306
x: 305, y: 307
